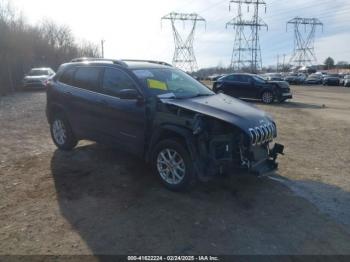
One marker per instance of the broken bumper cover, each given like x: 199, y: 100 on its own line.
x: 260, y: 163
x: 268, y: 164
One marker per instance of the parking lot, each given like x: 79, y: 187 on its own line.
x: 98, y: 200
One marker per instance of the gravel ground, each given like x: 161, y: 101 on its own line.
x: 97, y: 200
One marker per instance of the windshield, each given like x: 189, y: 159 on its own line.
x: 171, y: 83
x: 38, y: 72
x: 259, y: 79
x: 315, y: 76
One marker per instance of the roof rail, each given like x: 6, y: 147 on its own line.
x: 92, y: 59
x: 147, y: 61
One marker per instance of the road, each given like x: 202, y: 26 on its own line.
x: 98, y: 200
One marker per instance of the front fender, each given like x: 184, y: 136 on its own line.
x: 186, y: 134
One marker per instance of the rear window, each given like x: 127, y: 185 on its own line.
x: 87, y: 78
x: 67, y: 76
x: 38, y: 72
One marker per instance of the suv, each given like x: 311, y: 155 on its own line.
x: 253, y: 86
x: 178, y: 125
x: 37, y: 77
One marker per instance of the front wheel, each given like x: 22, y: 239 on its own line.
x: 267, y: 97
x: 61, y: 133
x: 173, y: 165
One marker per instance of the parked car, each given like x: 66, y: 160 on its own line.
x: 215, y: 77
x: 332, y: 79
x: 273, y: 77
x: 37, y: 77
x: 295, y: 79
x: 253, y: 86
x: 314, y: 79
x: 346, y: 81
x: 157, y: 112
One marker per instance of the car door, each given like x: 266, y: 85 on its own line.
x: 245, y: 86
x: 85, y: 103
x: 123, y: 120
x: 231, y: 85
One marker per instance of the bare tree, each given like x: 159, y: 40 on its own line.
x: 23, y: 46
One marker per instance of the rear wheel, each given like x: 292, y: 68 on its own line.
x: 61, y: 133
x: 173, y: 164
x: 267, y: 97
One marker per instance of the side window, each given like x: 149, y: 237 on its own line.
x: 244, y: 79
x: 231, y: 78
x: 115, y: 80
x: 67, y: 76
x: 87, y: 78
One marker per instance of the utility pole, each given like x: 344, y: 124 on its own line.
x: 278, y: 62
x: 102, y: 48
x: 246, y: 49
x: 184, y: 57
x: 304, y: 44
x: 284, y: 62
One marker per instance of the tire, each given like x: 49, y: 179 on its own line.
x: 165, y: 155
x: 267, y: 97
x: 283, y: 100
x: 61, y: 133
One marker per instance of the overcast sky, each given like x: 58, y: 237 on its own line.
x: 132, y: 28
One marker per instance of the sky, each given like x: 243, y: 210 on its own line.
x: 133, y: 29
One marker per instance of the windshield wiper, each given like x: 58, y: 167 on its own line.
x: 167, y: 96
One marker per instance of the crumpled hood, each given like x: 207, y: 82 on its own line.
x: 225, y: 108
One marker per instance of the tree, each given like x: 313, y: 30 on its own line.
x: 343, y: 64
x: 23, y: 46
x: 329, y: 63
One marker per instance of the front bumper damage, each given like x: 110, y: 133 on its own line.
x: 259, y: 160
x: 265, y: 163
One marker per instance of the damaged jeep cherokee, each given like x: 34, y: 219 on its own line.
x: 151, y: 109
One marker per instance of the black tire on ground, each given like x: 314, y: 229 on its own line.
x: 61, y: 132
x: 282, y: 100
x: 267, y: 97
x: 165, y: 170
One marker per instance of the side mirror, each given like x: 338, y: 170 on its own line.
x: 128, y: 94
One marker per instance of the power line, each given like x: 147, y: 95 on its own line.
x: 246, y: 49
x: 184, y: 57
x: 304, y: 50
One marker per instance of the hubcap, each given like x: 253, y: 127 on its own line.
x: 59, y: 132
x: 267, y: 97
x: 171, y: 166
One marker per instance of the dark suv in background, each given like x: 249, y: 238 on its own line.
x: 148, y: 108
x: 254, y: 87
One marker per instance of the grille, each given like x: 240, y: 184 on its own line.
x: 262, y: 134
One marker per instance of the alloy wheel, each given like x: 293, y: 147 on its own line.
x: 267, y: 97
x: 59, y: 131
x: 171, y: 166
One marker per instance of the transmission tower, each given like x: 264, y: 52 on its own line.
x: 304, y: 44
x: 184, y: 57
x: 246, y: 49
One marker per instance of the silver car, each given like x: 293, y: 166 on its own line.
x: 347, y: 80
x: 37, y: 77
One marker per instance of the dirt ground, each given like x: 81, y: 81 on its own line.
x: 97, y: 200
